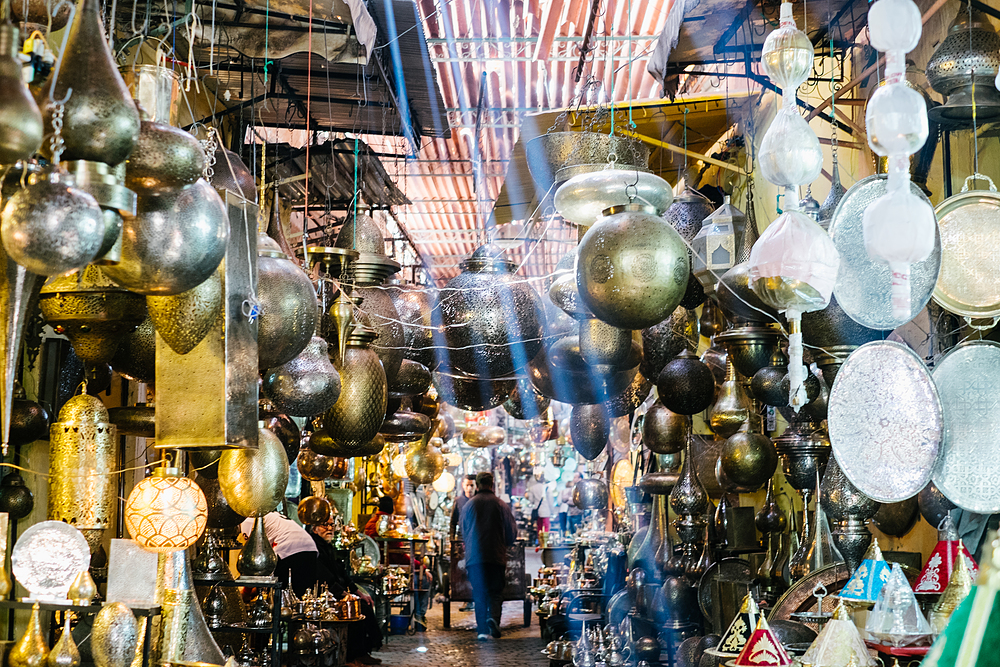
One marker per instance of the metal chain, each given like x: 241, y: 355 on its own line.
x: 210, y: 146
x: 57, y: 144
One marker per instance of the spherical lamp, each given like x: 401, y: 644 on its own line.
x: 166, y: 512
x: 445, y: 483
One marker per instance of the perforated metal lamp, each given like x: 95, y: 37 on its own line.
x: 166, y: 512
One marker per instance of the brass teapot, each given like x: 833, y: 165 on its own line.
x: 348, y: 608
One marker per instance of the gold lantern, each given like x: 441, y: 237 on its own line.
x: 253, y: 481
x: 166, y: 512
x: 82, y: 456
x: 423, y: 462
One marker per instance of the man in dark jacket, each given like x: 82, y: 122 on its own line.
x: 488, y: 528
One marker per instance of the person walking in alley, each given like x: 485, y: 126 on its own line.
x: 488, y: 528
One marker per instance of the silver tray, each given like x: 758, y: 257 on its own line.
x: 47, y: 558
x: 885, y: 421
x: 968, y: 470
x: 864, y: 286
x: 969, y: 225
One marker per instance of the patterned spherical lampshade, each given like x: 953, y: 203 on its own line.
x: 166, y: 512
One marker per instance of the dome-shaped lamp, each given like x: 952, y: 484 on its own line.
x: 166, y: 512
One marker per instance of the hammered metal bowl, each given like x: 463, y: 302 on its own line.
x: 378, y: 312
x: 174, y: 243
x: 164, y: 158
x: 749, y: 347
x: 664, y: 341
x: 492, y: 320
x: 305, y: 386
x: 253, y: 481
x: 183, y: 320
x: 93, y: 312
x: 288, y: 306
x: 549, y: 153
x: 632, y: 269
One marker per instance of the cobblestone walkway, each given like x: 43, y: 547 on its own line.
x: 458, y: 647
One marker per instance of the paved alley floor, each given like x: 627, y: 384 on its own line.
x: 458, y: 647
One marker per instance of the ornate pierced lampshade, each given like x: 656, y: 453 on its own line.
x: 166, y: 512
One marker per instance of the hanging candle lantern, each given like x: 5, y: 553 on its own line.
x: 101, y: 121
x: 175, y: 241
x: 715, y: 244
x: 358, y: 414
x: 288, y: 306
x: 732, y: 408
x: 663, y: 431
x: 164, y: 158
x: 748, y: 457
x: 899, y: 226
x: 688, y: 211
x: 589, y: 428
x: 183, y: 320
x: 136, y: 356
x: 307, y: 385
x: 972, y: 41
x: 423, y: 462
x: 377, y: 311
x: 633, y: 267
x: 445, y: 483
x: 51, y: 227
x: 492, y: 320
x: 93, y: 312
x: 686, y: 385
x: 82, y: 457
x: 415, y: 305
x: 20, y: 119
x: 166, y: 512
x: 314, y: 510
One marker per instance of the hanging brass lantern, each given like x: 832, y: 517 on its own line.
x: 415, y: 305
x: 51, y: 227
x: 412, y: 379
x: 525, y: 403
x: 357, y: 415
x: 166, y: 512
x: 633, y: 268
x: 560, y: 373
x: 589, y: 428
x: 21, y: 126
x: 732, y: 407
x: 93, y: 312
x: 688, y: 211
x: 484, y: 436
x: 134, y: 420
x: 366, y: 237
x: 739, y: 303
x: 686, y: 385
x: 164, y: 158
x: 83, y: 455
x: 288, y: 305
x: 471, y: 393
x: 378, y: 312
x: 630, y: 398
x: 175, y: 241
x: 305, y: 386
x: 602, y: 344
x: 663, y: 431
x: 220, y: 514
x: 748, y: 457
x: 664, y: 341
x: 964, y: 67
x: 135, y: 358
x: 229, y: 173
x: 314, y: 467
x: 404, y: 426
x: 492, y: 320
x: 183, y: 320
x: 41, y: 12
x: 285, y: 428
x: 314, y: 510
x: 101, y: 121
x: 590, y: 494
x: 254, y: 480
x: 424, y: 462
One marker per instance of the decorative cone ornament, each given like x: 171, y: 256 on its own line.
x: 899, y: 226
x: 867, y: 581
x: 838, y: 644
x: 896, y: 619
x: 973, y: 633
x: 959, y: 587
x: 740, y: 630
x: 937, y: 571
x: 763, y: 649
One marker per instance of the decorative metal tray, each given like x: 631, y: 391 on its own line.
x: 885, y: 421
x: 969, y: 225
x: 47, y: 558
x: 968, y: 382
x: 864, y: 286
